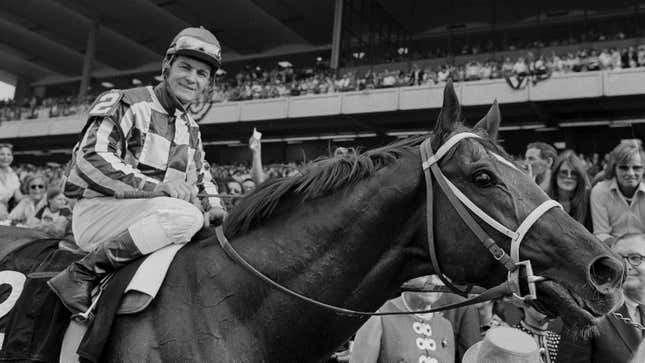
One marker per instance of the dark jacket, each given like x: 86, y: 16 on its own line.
x: 465, y: 323
x: 616, y: 343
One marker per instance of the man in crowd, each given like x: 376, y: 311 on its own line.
x: 618, y: 202
x: 141, y: 140
x: 617, y: 340
x: 539, y: 158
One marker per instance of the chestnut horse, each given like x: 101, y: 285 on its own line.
x: 348, y: 232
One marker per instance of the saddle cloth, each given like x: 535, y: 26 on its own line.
x: 138, y: 294
x: 146, y: 282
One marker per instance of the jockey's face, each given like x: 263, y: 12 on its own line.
x: 188, y: 78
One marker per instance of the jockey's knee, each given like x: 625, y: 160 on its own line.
x: 171, y: 221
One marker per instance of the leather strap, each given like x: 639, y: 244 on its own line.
x: 498, y: 291
x: 527, y: 223
x: 432, y: 167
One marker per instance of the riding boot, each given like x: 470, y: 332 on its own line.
x: 74, y: 284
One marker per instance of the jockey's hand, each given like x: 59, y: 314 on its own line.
x: 177, y: 189
x: 215, y: 216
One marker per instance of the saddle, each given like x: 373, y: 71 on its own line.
x: 36, y: 322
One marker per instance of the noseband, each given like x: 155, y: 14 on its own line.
x: 520, y: 273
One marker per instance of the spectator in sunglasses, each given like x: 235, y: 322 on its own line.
x: 25, y: 212
x: 618, y: 202
x: 570, y: 186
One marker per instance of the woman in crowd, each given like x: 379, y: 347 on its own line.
x: 570, y: 186
x: 406, y: 338
x: 25, y: 212
x: 55, y: 218
x: 9, y: 182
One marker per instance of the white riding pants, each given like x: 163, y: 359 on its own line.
x: 153, y: 223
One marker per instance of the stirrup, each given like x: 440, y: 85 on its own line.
x: 84, y: 318
x: 88, y: 316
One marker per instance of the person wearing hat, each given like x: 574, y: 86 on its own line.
x: 405, y: 338
x: 141, y: 139
x: 504, y: 345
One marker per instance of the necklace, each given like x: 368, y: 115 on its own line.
x: 424, y: 317
x: 532, y: 329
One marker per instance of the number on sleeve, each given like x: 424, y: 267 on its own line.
x: 104, y: 104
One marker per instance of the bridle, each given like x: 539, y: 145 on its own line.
x: 520, y: 283
x: 520, y: 273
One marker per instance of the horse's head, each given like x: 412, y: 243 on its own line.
x: 582, y: 276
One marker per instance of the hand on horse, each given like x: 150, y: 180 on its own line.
x: 214, y: 216
x: 177, y: 189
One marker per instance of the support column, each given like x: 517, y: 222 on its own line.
x: 336, y: 35
x: 90, y: 51
x: 22, y: 90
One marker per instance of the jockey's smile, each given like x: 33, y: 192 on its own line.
x: 187, y: 79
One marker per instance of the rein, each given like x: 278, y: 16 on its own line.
x: 232, y: 253
x: 140, y: 194
x: 520, y: 273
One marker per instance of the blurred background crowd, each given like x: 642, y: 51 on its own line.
x: 285, y: 80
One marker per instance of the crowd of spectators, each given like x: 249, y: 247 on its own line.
x: 33, y: 108
x: 285, y: 80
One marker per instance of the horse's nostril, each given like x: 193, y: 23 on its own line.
x: 606, y: 273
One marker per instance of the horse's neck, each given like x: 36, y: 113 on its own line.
x: 345, y: 249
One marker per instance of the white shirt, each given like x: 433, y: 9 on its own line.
x: 9, y: 184
x: 632, y: 309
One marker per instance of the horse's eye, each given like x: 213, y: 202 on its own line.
x: 483, y: 179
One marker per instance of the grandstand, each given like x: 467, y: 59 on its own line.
x: 314, y: 75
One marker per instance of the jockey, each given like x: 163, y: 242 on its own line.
x: 141, y: 139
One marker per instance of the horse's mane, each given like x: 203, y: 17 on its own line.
x: 326, y: 175
x: 320, y: 178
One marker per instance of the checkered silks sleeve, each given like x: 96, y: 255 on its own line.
x: 99, y: 162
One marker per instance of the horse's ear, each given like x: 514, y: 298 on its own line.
x: 450, y: 110
x: 490, y: 122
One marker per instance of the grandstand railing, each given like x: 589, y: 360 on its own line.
x: 558, y: 87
